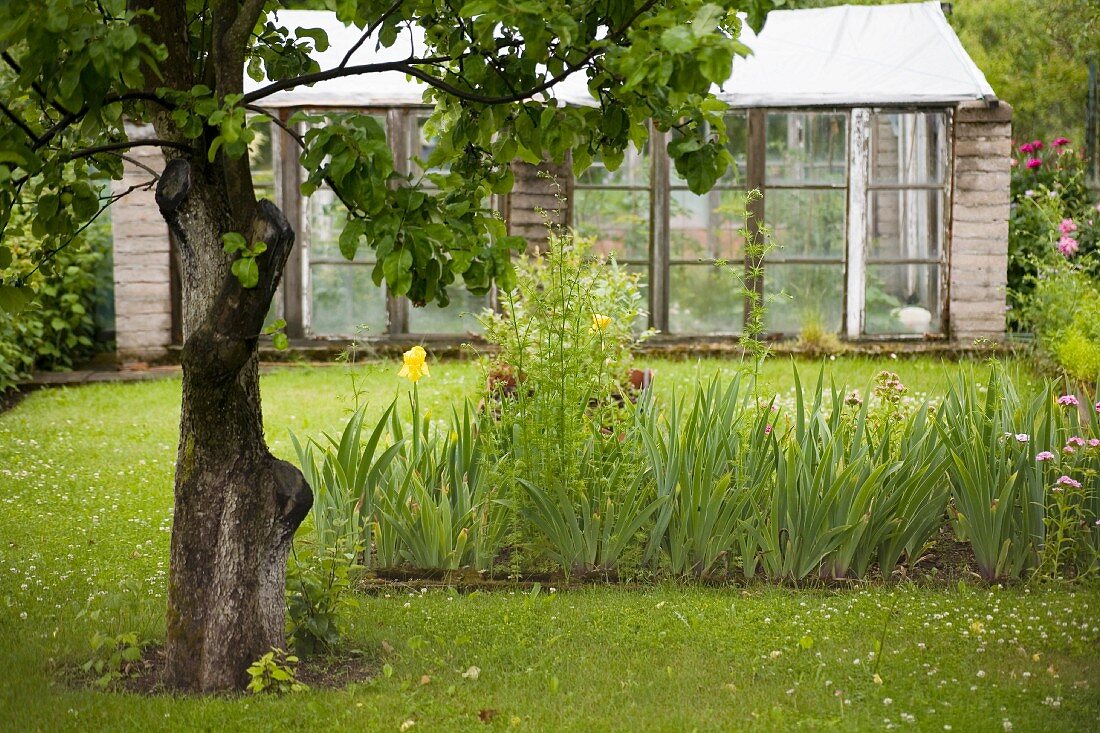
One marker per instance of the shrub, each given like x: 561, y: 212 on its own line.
x: 561, y: 384
x: 275, y: 673
x: 57, y: 329
x: 1064, y: 311
x: 318, y: 596
x: 1054, y: 217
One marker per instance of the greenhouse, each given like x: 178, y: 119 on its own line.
x: 881, y: 152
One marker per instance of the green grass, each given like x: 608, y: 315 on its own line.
x: 85, y: 505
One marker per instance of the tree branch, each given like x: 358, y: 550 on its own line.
x: 242, y: 25
x: 71, y: 118
x: 137, y: 163
x: 337, y: 73
x: 370, y: 31
x: 126, y: 145
x: 408, y: 66
x: 279, y: 123
x: 18, y: 122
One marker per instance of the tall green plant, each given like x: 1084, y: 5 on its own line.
x: 825, y: 484
x: 437, y: 510
x: 998, y: 490
x: 345, y: 474
x: 709, y: 463
x: 589, y: 525
x: 910, y: 506
x: 559, y: 384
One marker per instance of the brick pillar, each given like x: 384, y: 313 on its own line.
x: 533, y: 190
x: 143, y: 300
x: 979, y: 221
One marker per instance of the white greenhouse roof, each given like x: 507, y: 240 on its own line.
x: 839, y: 56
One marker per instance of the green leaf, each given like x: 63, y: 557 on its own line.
x: 246, y: 271
x: 320, y: 38
x: 678, y: 39
x: 397, y: 267
x: 255, y: 69
x: 349, y: 238
x: 5, y: 257
x: 504, y: 184
x: 280, y: 341
x: 707, y: 19
x: 12, y: 299
x: 233, y: 242
x: 477, y: 7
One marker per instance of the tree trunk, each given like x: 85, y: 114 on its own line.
x: 236, y: 505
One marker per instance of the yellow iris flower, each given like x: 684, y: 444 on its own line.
x: 415, y: 366
x: 599, y: 322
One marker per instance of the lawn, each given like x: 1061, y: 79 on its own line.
x: 86, y: 511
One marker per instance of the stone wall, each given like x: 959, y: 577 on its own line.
x: 143, y: 294
x: 979, y: 221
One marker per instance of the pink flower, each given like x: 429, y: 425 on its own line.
x: 1069, y: 450
x: 1067, y: 481
x: 1037, y: 144
x: 1098, y: 406
x: 1022, y: 437
x: 1067, y: 226
x: 768, y: 430
x: 1060, y: 141
x: 1094, y: 442
x: 1068, y: 399
x: 1044, y: 456
x: 1033, y: 163
x: 1027, y: 148
x: 1067, y: 245
x: 1076, y: 440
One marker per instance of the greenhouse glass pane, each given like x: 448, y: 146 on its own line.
x: 706, y: 227
x: 704, y: 299
x: 905, y: 224
x: 806, y: 148
x: 425, y: 144
x: 343, y: 298
x: 902, y: 299
x: 801, y: 296
x: 806, y: 223
x: 325, y: 217
x: 617, y: 221
x: 908, y: 147
x: 261, y: 158
x: 459, y: 317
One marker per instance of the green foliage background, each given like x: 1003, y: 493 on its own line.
x: 58, y: 329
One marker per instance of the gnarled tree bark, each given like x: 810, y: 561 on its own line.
x: 236, y: 505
